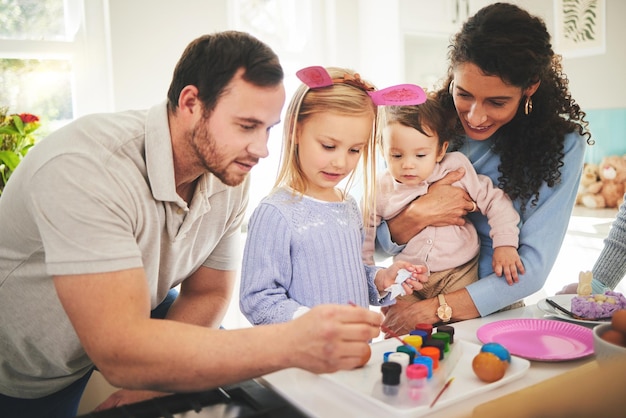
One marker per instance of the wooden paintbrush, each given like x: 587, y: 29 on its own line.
x: 388, y: 330
x: 394, y: 335
x: 443, y: 389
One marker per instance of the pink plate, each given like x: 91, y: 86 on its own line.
x: 539, y: 339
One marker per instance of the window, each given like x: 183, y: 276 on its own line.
x: 50, y: 64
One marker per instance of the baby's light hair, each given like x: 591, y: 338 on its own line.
x: 342, y: 99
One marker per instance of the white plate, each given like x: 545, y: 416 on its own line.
x: 566, y: 302
x: 363, y: 382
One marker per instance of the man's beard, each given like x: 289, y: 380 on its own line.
x: 207, y: 152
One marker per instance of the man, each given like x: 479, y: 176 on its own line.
x: 108, y: 214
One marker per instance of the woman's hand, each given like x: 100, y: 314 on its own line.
x: 402, y: 316
x: 444, y: 204
x: 408, y: 311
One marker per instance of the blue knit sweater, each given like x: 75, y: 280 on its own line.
x: 301, y: 252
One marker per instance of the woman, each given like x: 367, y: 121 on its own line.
x: 521, y: 128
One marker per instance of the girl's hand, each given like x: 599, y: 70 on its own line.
x: 387, y: 277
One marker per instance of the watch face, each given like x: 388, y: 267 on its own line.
x: 444, y: 312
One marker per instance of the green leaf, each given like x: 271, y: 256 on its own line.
x: 19, y: 125
x: 25, y: 149
x: 10, y: 159
x: 8, y: 130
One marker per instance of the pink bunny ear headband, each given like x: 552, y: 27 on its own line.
x: 399, y: 95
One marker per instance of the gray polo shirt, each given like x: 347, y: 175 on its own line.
x: 95, y: 196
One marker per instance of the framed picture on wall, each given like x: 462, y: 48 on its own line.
x: 580, y: 27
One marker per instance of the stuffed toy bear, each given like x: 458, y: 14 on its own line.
x: 608, y: 192
x: 591, y: 175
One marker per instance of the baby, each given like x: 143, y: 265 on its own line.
x: 414, y: 145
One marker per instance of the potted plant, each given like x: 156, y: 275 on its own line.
x: 16, y: 138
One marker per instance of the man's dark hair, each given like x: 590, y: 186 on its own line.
x: 210, y: 62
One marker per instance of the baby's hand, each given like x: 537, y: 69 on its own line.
x: 506, y: 260
x: 410, y: 277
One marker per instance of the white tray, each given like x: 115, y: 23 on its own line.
x: 365, y: 382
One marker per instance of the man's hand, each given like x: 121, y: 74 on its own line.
x: 125, y: 396
x: 331, y: 337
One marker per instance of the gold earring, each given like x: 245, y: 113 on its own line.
x: 451, y: 87
x: 528, y: 105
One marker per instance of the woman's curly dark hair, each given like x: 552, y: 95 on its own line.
x: 505, y: 41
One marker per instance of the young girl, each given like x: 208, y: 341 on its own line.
x: 305, y: 239
x: 414, y: 145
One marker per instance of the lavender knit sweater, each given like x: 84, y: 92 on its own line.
x: 303, y: 252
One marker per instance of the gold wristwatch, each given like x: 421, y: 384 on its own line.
x: 444, y: 311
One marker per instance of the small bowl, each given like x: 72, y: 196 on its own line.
x: 604, y: 349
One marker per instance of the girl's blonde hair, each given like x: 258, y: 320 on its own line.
x: 341, y: 98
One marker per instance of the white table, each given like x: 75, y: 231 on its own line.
x: 314, y: 396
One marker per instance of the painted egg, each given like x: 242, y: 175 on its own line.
x: 614, y: 337
x: 365, y: 357
x: 488, y: 367
x: 499, y: 350
x: 618, y: 321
